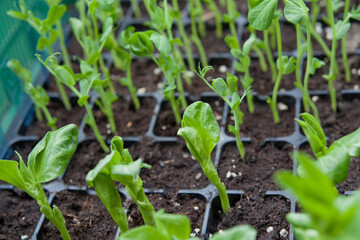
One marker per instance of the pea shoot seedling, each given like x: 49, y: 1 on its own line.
x: 334, y: 161
x: 38, y: 95
x: 47, y: 161
x: 201, y: 132
x: 175, y: 226
x: 223, y: 90
x: 326, y: 214
x: 119, y: 166
x: 86, y: 82
x: 261, y: 15
x: 48, y: 34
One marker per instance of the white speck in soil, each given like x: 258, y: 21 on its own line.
x: 197, y: 230
x: 23, y: 237
x: 176, y: 204
x: 218, y: 117
x: 192, y: 234
x: 282, y: 90
x: 232, y: 160
x: 162, y: 164
x: 141, y: 90
x: 282, y: 107
x: 354, y: 71
x: 270, y: 229
x: 217, y: 103
x: 129, y: 124
x: 356, y: 87
x: 163, y: 128
x: 315, y: 98
x: 328, y: 33
x: 186, y: 155
x: 160, y: 85
x: 190, y: 74
x: 283, y: 233
x: 196, y: 208
x: 157, y: 71
x: 198, y: 176
x: 318, y: 28
x: 223, y: 68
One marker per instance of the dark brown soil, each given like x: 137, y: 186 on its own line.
x: 259, y: 211
x: 344, y: 121
x: 317, y: 82
x: 87, y: 155
x: 57, y: 110
x: 166, y: 123
x: 255, y: 174
x: 260, y: 124
x: 199, y: 86
x: 182, y: 204
x: 211, y: 43
x: 170, y: 163
x: 288, y: 36
x: 19, y: 214
x: 144, y: 76
x: 128, y: 121
x: 85, y: 216
x: 263, y: 83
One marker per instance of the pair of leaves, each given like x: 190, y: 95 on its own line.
x: 47, y: 161
x: 289, y: 64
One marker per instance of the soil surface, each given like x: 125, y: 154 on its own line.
x: 170, y: 162
x: 87, y: 155
x: 255, y: 173
x: 260, y: 124
x: 146, y: 76
x: 317, y: 82
x: 166, y: 124
x: 193, y: 206
x: 64, y: 117
x: 257, y: 210
x: 86, y: 217
x: 198, y: 86
x: 19, y: 214
x: 128, y: 121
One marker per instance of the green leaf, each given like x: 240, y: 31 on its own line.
x: 42, y: 43
x: 145, y: 232
x: 243, y: 232
x: 314, y: 134
x: 117, y: 144
x: 302, y: 220
x: 288, y: 63
x: 341, y: 28
x: 55, y: 14
x: 78, y: 28
x: 200, y: 130
x: 17, y: 15
x: 294, y: 13
x: 107, y: 29
x: 316, y: 64
x: 22, y: 73
x: 220, y: 87
x: 173, y: 225
x: 141, y: 45
x: 10, y: 173
x: 248, y: 44
x: 103, y: 166
x: 254, y: 3
x: 52, y: 154
x: 125, y: 36
x: 261, y: 16
x: 161, y: 42
x: 65, y: 76
x: 355, y: 13
x: 232, y: 82
x: 352, y: 142
x: 131, y: 169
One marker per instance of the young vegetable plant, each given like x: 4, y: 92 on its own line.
x: 296, y: 12
x: 47, y: 161
x: 141, y: 44
x: 119, y: 166
x: 333, y: 161
x: 176, y: 226
x: 48, y: 34
x: 243, y: 63
x: 201, y: 132
x: 86, y: 82
x: 38, y: 95
x: 261, y: 15
x: 223, y: 90
x: 218, y: 18
x: 326, y: 214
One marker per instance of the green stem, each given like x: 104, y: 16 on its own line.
x: 132, y: 89
x: 239, y: 144
x: 269, y: 55
x: 331, y: 75
x: 210, y: 171
x: 315, y: 9
x: 201, y: 24
x: 63, y: 95
x: 320, y: 41
x: 136, y: 9
x: 195, y: 38
x: 38, y: 114
x: 53, y: 214
x: 107, y: 107
x: 262, y: 60
x: 64, y: 51
x: 249, y: 97
x: 344, y: 47
x: 299, y: 55
x: 51, y: 121
x: 93, y: 125
x: 184, y: 37
x: 273, y: 101
x: 106, y: 72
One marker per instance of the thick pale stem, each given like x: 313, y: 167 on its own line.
x: 332, y: 71
x: 64, y: 51
x: 51, y: 121
x: 269, y: 56
x: 344, y: 47
x: 210, y: 171
x: 132, y: 89
x: 239, y: 144
x: 136, y: 9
